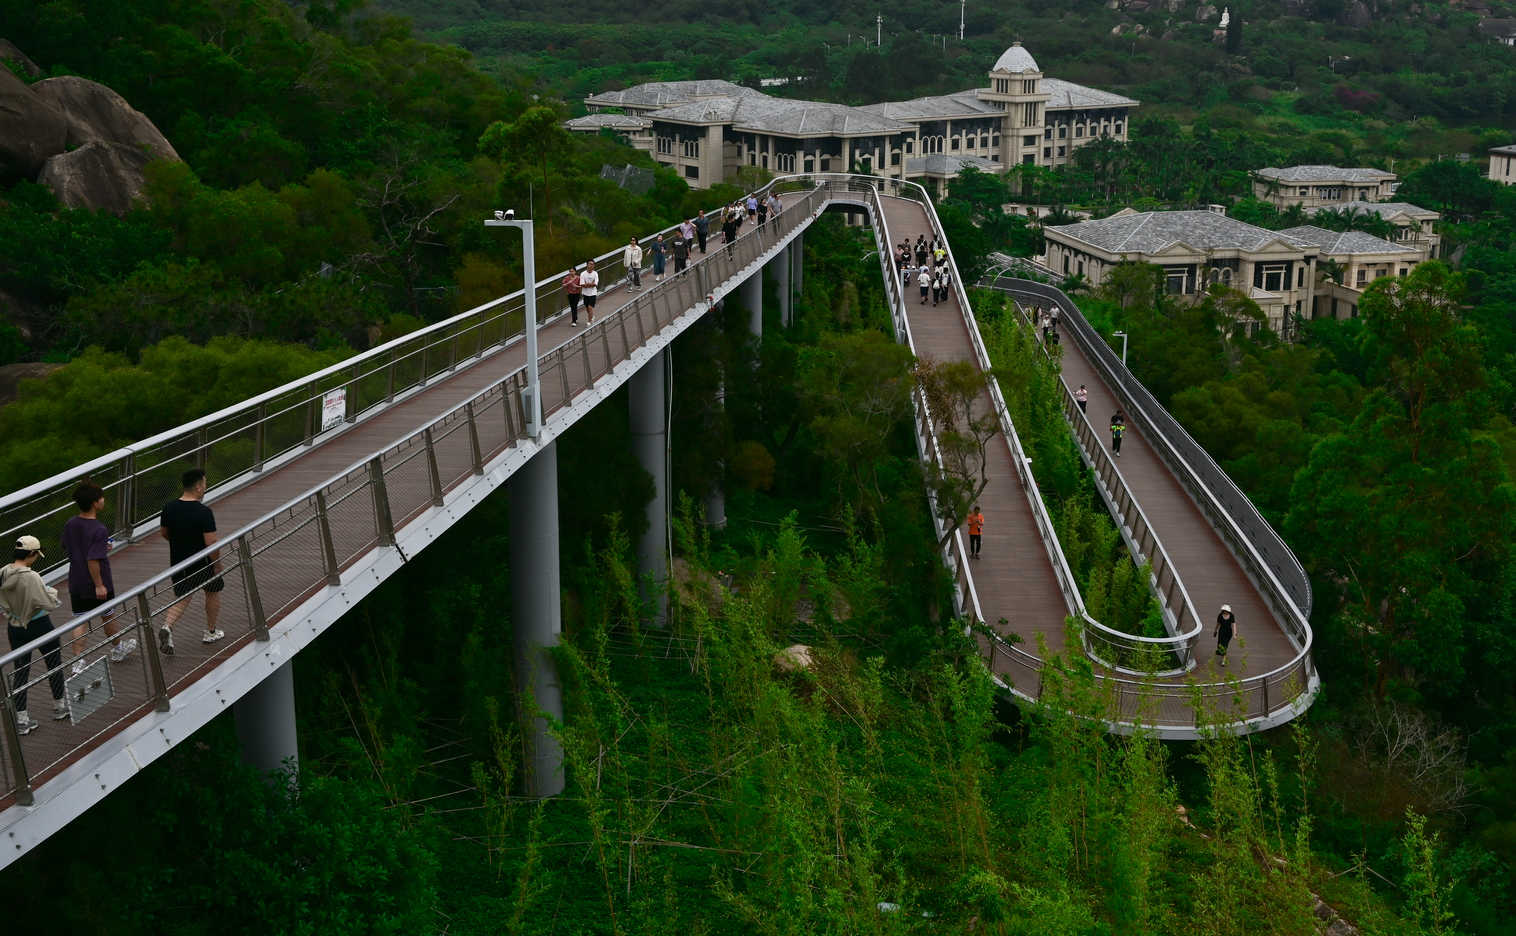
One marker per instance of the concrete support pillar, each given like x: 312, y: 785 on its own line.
x: 649, y: 418
x: 797, y: 262
x: 715, y: 498
x: 752, y: 300
x: 782, y: 263
x: 266, y: 722
x: 537, y: 613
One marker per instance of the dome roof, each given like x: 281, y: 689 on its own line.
x: 1016, y: 59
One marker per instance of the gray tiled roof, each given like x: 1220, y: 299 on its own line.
x: 666, y: 93
x: 1385, y: 210
x: 1509, y: 150
x: 614, y: 121
x: 1016, y: 59
x: 1323, y: 174
x: 1150, y: 232
x: 935, y: 107
x: 1344, y: 242
x: 1065, y: 94
x: 765, y: 114
x: 945, y: 164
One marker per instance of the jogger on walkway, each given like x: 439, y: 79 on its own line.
x: 1118, y: 429
x: 589, y: 289
x: 976, y: 531
x: 571, y: 290
x: 190, y: 526
x: 1226, y: 629
x: 1082, y: 396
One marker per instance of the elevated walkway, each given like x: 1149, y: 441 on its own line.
x: 324, y: 487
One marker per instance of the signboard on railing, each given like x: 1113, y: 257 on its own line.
x: 333, y: 408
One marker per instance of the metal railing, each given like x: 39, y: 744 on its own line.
x: 1273, y: 569
x: 271, y: 565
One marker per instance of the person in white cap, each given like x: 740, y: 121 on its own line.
x: 1226, y: 629
x: 26, y: 600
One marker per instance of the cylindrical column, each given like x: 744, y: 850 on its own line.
x: 715, y: 498
x: 649, y: 419
x: 782, y: 265
x: 797, y: 260
x: 752, y: 300
x: 266, y: 723
x: 536, y: 611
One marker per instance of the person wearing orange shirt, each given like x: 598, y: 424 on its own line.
x: 976, y: 530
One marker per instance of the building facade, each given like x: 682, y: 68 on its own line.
x: 1194, y: 249
x: 707, y: 130
x: 1503, y: 164
x: 1321, y: 186
x: 1415, y: 227
x: 1347, y: 263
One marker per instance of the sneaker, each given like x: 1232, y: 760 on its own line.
x: 212, y: 636
x: 165, y: 641
x: 24, y: 724
x: 78, y: 669
x: 123, y: 649
x: 60, y: 710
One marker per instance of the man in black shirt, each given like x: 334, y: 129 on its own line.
x: 190, y: 526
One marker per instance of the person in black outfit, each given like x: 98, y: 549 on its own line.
x: 729, y: 230
x: 1226, y: 629
x: 702, y: 229
x: 190, y: 526
x: 1118, y: 429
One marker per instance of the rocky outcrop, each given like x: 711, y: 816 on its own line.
x: 96, y: 114
x: 11, y: 376
x: 9, y: 53
x: 99, y: 176
x: 31, y: 129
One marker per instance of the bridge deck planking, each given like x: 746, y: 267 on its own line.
x: 56, y: 744
x: 1206, y: 567
x: 1014, y: 578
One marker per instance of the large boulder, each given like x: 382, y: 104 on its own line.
x: 99, y: 176
x: 31, y: 129
x: 95, y: 113
x: 9, y: 53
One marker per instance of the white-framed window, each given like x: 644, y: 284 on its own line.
x: 1273, y: 277
x: 689, y: 149
x: 1029, y: 86
x: 1029, y: 114
x: 1363, y: 277
x: 666, y: 145
x: 1175, y: 282
x: 784, y: 162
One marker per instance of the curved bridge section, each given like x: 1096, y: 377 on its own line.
x: 324, y: 487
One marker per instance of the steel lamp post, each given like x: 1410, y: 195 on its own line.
x: 529, y: 260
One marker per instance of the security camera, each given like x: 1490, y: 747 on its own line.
x: 499, y: 216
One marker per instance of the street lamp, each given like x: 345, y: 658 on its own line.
x: 533, y: 385
x: 1122, y: 336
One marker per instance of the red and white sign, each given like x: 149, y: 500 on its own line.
x: 333, y: 408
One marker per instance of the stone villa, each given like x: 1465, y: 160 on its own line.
x: 707, y: 130
x: 1321, y: 186
x: 1503, y: 164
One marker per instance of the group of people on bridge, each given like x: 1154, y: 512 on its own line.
x: 930, y: 270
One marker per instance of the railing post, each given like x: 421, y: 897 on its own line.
x: 453, y: 351
x: 328, y: 547
x: 201, y: 435
x: 563, y: 373
x: 508, y: 401
x: 350, y: 403
x: 149, y: 643
x: 425, y: 349
x: 584, y: 349
x: 250, y: 585
x: 1265, y: 695
x: 312, y: 406
x: 260, y: 437
x: 126, y: 497
x: 384, y: 522
x: 19, y: 773
x: 473, y: 438
x: 389, y: 377
x: 431, y: 467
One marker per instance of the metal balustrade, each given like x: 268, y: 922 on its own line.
x: 274, y: 563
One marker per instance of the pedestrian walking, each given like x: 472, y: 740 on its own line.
x: 657, y: 251
x: 976, y: 531
x: 687, y: 228
x: 947, y: 282
x: 729, y: 230
x: 920, y: 253
x: 681, y: 247
x: 190, y: 526
x: 1082, y: 397
x: 1226, y: 629
x: 86, y: 543
x: 571, y: 291
x: 1118, y: 429
x: 775, y: 206
x: 925, y: 279
x: 936, y: 287
x: 763, y: 212
x: 702, y: 230
x: 752, y: 208
x: 589, y: 290
x: 632, y: 258
x: 26, y: 601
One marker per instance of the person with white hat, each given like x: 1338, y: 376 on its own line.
x: 26, y: 600
x: 1226, y: 629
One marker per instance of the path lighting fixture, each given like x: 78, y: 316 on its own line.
x: 533, y: 396
x: 1122, y: 336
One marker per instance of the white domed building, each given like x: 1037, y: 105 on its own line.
x: 708, y: 129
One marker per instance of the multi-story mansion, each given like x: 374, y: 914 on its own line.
x: 1503, y: 164
x: 1321, y: 186
x: 707, y: 130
